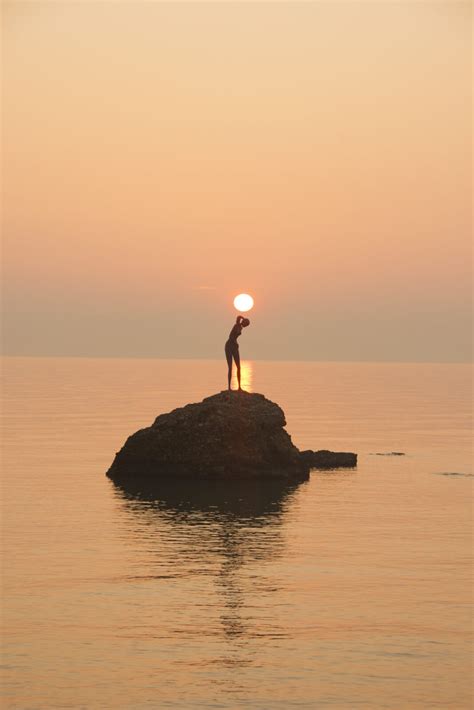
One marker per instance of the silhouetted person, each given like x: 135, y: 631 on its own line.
x: 232, y: 347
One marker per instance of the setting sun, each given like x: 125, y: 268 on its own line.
x: 243, y: 302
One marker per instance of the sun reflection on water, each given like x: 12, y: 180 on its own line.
x: 246, y: 371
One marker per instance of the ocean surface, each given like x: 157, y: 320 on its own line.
x: 350, y: 590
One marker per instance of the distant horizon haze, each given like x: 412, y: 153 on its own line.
x: 160, y: 158
x: 245, y: 361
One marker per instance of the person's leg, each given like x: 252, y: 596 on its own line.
x: 228, y: 355
x: 237, y: 363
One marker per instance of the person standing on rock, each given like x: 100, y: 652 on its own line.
x: 232, y: 348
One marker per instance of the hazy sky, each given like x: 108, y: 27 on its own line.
x: 161, y: 157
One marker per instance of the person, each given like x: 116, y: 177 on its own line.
x: 232, y: 348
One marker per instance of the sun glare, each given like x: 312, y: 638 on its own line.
x: 243, y: 302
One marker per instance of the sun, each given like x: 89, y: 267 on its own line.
x: 243, y: 302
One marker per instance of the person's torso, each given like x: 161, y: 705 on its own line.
x: 234, y: 333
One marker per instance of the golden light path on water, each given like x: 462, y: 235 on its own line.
x: 246, y: 368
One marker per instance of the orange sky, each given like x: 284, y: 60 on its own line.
x: 159, y: 158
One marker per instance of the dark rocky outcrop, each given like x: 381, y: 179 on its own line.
x: 329, y: 459
x: 229, y: 435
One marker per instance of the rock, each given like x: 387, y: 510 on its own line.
x: 329, y: 459
x: 229, y: 435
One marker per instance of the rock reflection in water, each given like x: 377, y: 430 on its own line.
x: 217, y: 528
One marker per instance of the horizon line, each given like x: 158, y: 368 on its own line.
x: 255, y: 359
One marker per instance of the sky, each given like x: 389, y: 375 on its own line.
x: 161, y: 157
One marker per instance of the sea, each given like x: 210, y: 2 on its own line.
x: 350, y: 590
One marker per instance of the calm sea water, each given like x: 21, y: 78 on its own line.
x: 350, y: 590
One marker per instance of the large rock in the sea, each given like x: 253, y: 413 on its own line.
x: 229, y: 435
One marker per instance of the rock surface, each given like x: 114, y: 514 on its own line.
x: 329, y: 459
x: 229, y: 435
